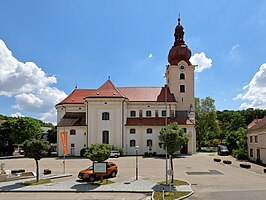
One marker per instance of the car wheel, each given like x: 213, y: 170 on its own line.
x: 92, y: 178
x: 113, y: 174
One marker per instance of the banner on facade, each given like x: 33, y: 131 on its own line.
x: 64, y: 141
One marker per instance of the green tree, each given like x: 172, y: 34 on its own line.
x: 206, y: 123
x: 36, y: 149
x: 21, y: 129
x: 98, y: 152
x: 173, y: 139
x: 52, y: 135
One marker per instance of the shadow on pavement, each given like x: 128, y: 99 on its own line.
x: 11, y: 187
x: 159, y: 188
x: 83, y: 186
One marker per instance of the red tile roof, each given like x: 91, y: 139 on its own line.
x: 108, y: 90
x: 147, y: 94
x: 257, y: 124
x: 160, y: 121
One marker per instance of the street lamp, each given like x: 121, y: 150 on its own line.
x: 137, y: 169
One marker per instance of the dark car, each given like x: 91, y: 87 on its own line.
x: 222, y: 150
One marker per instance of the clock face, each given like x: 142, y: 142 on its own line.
x: 182, y: 67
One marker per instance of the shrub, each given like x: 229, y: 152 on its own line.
x: 240, y: 154
x: 247, y: 166
x: 154, y: 154
x: 215, y: 142
x: 82, y: 151
x: 227, y: 162
x: 217, y: 160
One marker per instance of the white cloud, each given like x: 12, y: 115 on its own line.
x: 17, y: 114
x: 150, y: 55
x: 254, y: 93
x: 233, y: 50
x: 201, y: 61
x: 29, y: 84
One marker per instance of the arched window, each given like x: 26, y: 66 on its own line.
x: 149, y: 143
x: 149, y: 130
x: 182, y: 88
x: 132, y: 143
x: 105, y: 116
x: 163, y: 113
x: 105, y: 137
x: 148, y: 113
x: 182, y: 76
x: 72, y: 132
x: 132, y: 113
x: 132, y: 131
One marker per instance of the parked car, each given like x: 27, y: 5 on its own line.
x: 88, y: 175
x: 115, y: 154
x: 222, y: 150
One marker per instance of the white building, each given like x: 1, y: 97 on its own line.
x: 132, y: 116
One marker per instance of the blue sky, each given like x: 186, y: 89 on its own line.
x: 47, y: 47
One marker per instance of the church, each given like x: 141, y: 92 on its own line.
x: 130, y: 117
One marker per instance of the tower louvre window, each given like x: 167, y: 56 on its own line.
x: 182, y: 76
x: 182, y: 88
x: 132, y: 131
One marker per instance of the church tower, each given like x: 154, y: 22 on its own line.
x: 180, y: 74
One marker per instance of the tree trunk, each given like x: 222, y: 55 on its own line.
x: 37, y: 170
x: 172, y: 168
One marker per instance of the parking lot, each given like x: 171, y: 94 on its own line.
x: 209, y: 179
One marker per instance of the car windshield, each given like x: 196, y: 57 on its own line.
x: 223, y: 148
x: 90, y: 168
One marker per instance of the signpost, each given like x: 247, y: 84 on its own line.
x: 100, y: 168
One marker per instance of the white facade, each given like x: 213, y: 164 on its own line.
x: 129, y: 117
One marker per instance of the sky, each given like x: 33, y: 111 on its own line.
x: 49, y: 47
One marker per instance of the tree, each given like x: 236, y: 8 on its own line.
x: 36, y: 149
x: 52, y: 135
x: 206, y: 123
x: 173, y: 139
x: 21, y: 129
x: 98, y: 152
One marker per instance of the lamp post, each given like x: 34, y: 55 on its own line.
x: 64, y: 162
x: 166, y: 161
x: 137, y: 167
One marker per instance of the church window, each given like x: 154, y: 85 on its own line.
x: 132, y: 113
x: 149, y: 143
x: 105, y: 116
x: 182, y: 88
x: 149, y: 130
x: 163, y: 113
x: 182, y: 76
x: 105, y: 137
x: 132, y: 143
x: 72, y: 132
x: 148, y: 113
x: 132, y: 131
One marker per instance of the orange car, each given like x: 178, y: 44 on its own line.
x: 88, y: 175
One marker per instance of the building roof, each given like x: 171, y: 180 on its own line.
x: 73, y: 119
x: 109, y: 90
x: 160, y: 121
x: 257, y: 124
x: 147, y: 94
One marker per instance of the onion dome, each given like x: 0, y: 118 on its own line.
x: 180, y: 50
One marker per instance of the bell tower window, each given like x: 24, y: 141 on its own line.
x: 182, y: 88
x: 182, y: 76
